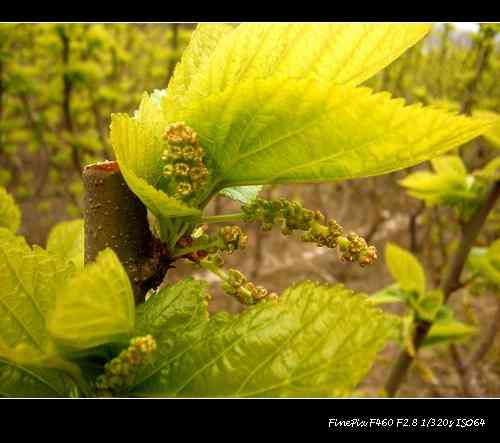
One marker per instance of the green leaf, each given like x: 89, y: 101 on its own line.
x: 391, y: 294
x: 405, y: 268
x: 491, y: 172
x: 203, y: 42
x: 449, y: 185
x: 175, y: 307
x: 315, y: 341
x: 66, y: 240
x: 448, y: 331
x: 336, y: 53
x: 486, y: 263
x: 492, y: 136
x: 29, y: 279
x: 10, y: 215
x: 168, y: 315
x: 449, y: 165
x: 293, y: 131
x: 242, y: 194
x: 429, y: 304
x: 17, y: 380
x: 95, y: 307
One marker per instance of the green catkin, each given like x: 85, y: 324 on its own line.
x: 291, y: 216
x: 183, y: 157
x: 237, y: 285
x: 120, y: 371
x: 226, y: 240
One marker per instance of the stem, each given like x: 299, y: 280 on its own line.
x: 450, y: 283
x: 224, y: 218
x: 211, y: 267
x: 116, y: 218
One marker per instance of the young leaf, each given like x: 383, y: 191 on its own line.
x: 315, y: 341
x: 335, y: 53
x: 449, y: 165
x: 449, y: 185
x: 405, y: 268
x: 66, y: 241
x: 293, y: 131
x: 492, y: 136
x: 391, y: 294
x: 486, y: 263
x: 448, y: 331
x: 95, y: 307
x: 491, y: 172
x: 242, y: 194
x: 429, y: 304
x: 10, y: 215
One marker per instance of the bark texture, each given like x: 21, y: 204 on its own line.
x: 116, y: 218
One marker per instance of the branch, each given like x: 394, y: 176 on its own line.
x: 116, y: 218
x: 450, y: 284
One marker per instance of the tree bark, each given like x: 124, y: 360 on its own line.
x: 116, y: 218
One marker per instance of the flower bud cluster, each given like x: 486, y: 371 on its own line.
x: 120, y: 371
x: 231, y: 238
x: 227, y: 240
x: 237, y: 285
x: 184, y: 167
x: 291, y: 216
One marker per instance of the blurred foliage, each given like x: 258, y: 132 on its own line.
x: 59, y: 84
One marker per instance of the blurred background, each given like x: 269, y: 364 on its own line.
x: 59, y: 83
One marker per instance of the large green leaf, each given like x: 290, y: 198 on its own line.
x: 29, y: 279
x: 177, y: 308
x: 18, y: 380
x: 10, y: 215
x: 291, y: 131
x: 337, y: 53
x: 168, y: 315
x: 94, y: 307
x: 405, y: 268
x: 66, y: 240
x: 315, y: 341
x: 203, y: 42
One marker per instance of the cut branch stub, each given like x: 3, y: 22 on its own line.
x: 116, y: 218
